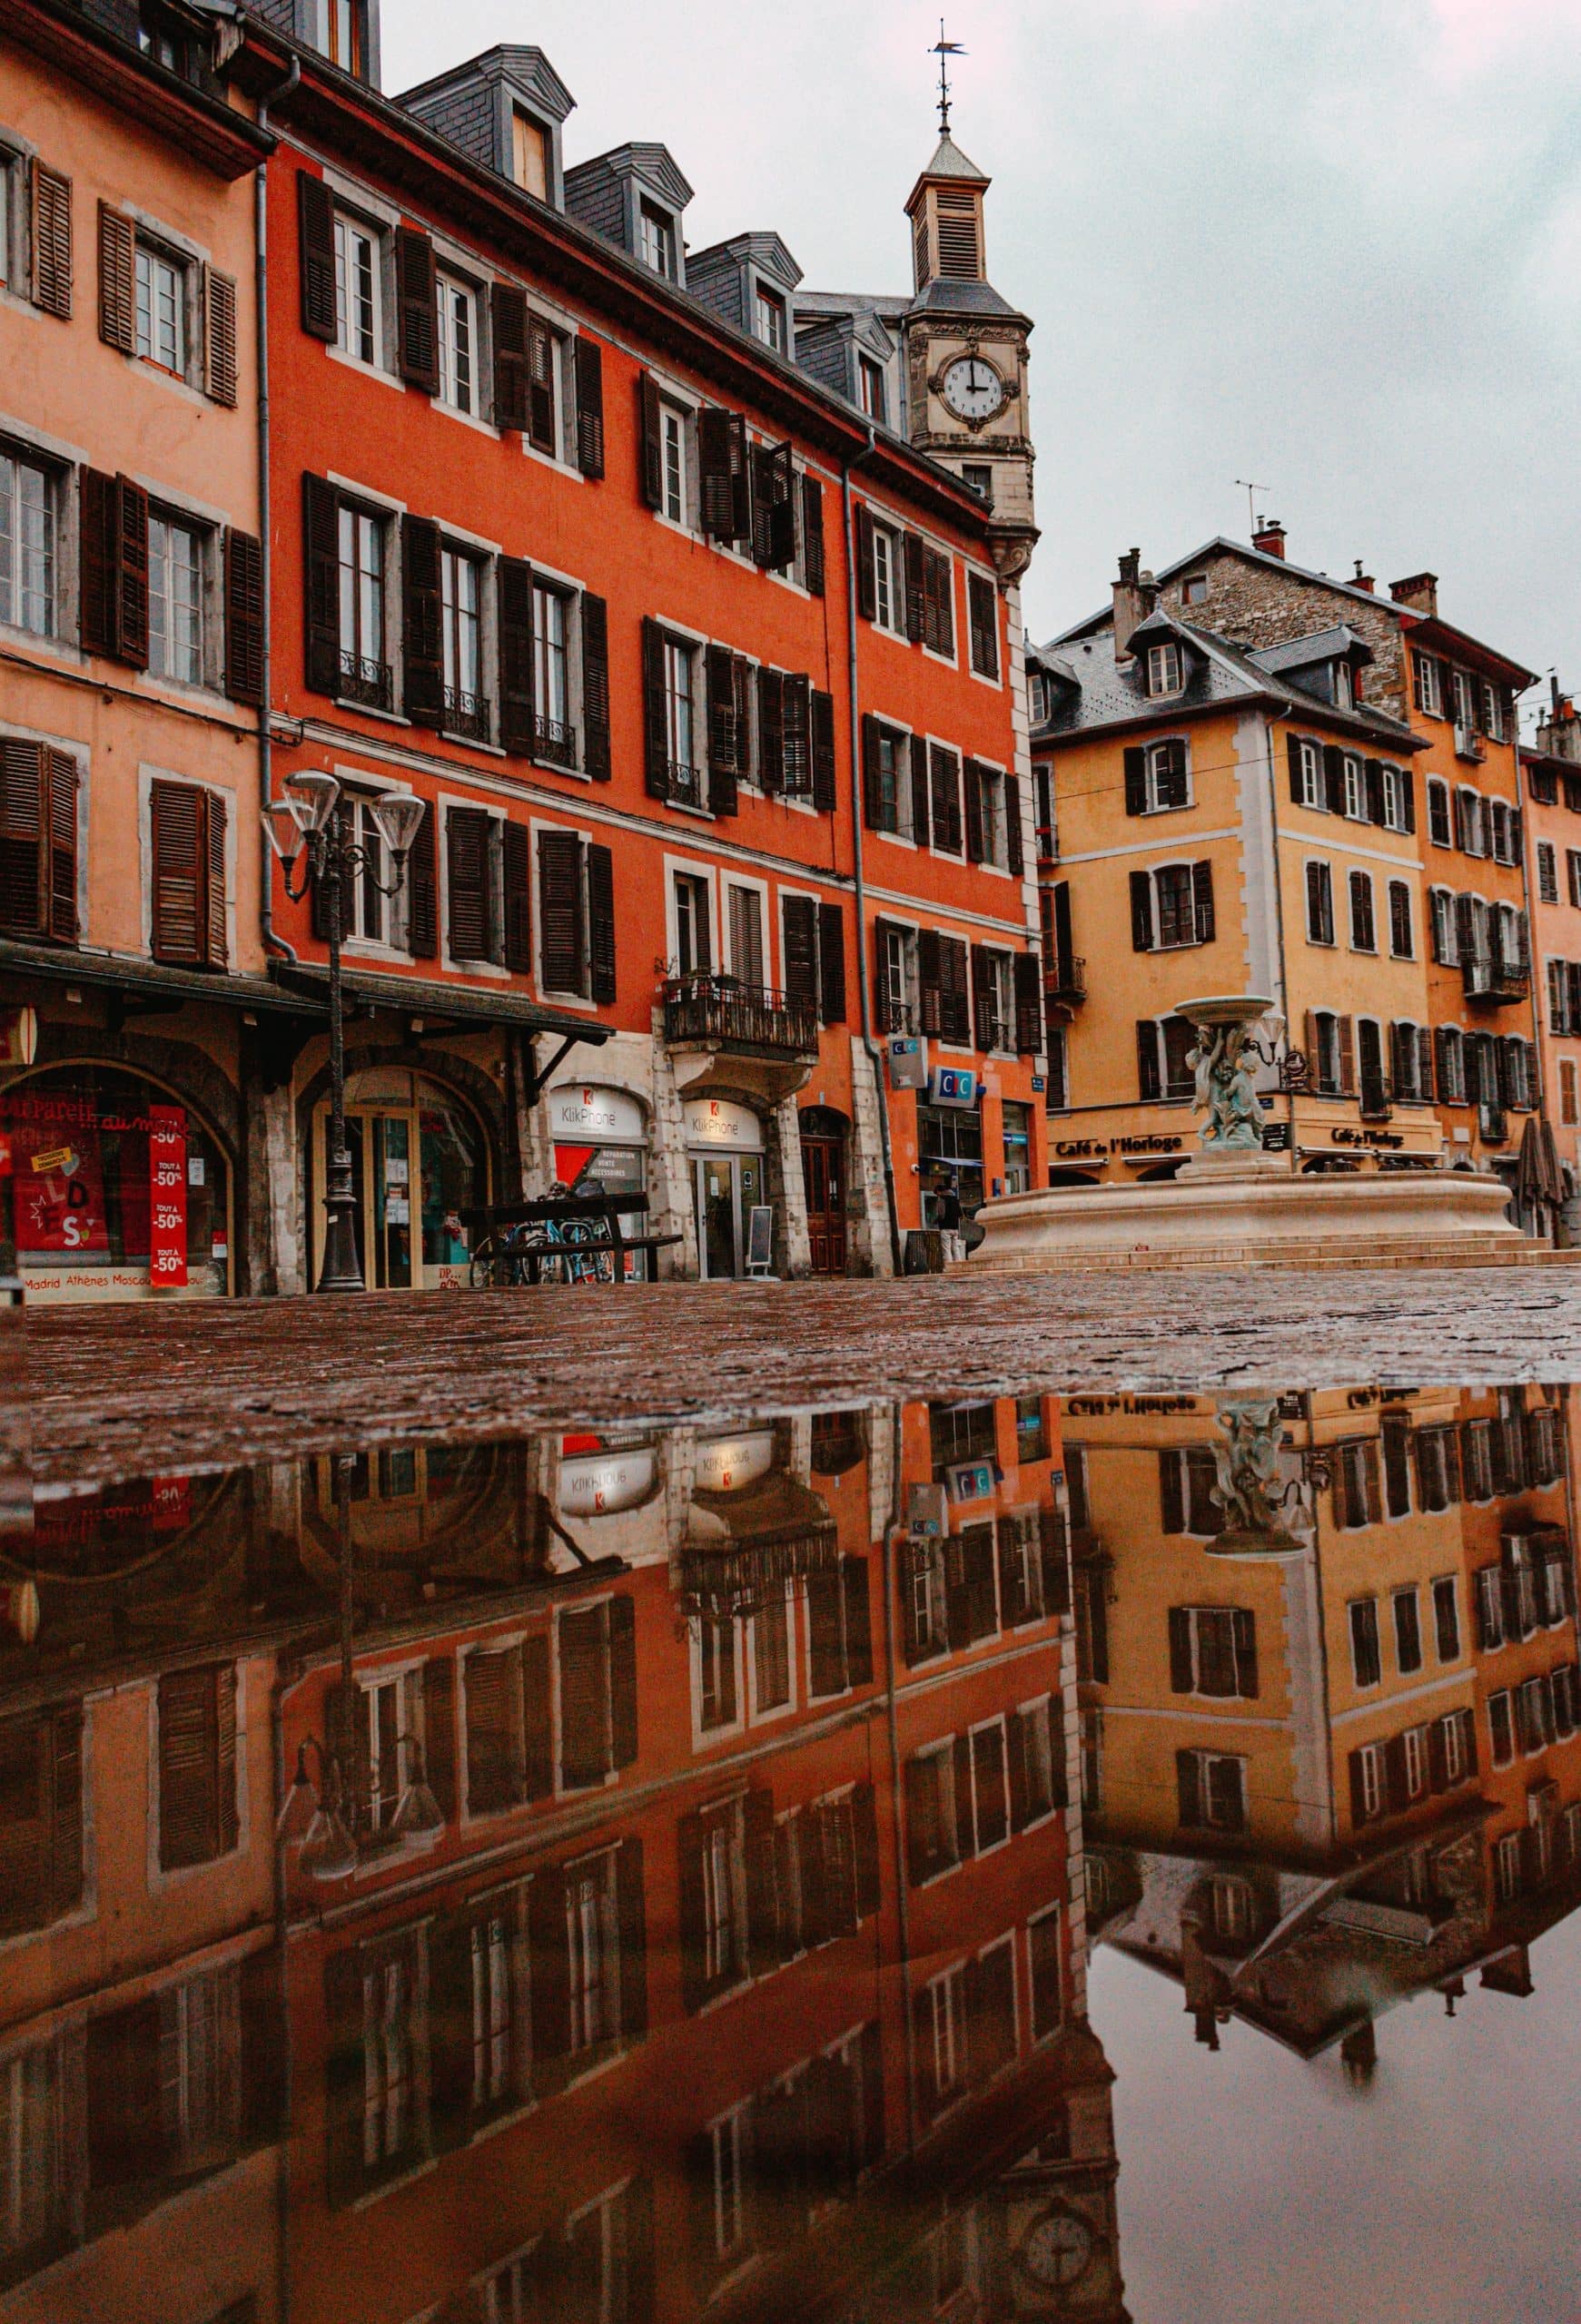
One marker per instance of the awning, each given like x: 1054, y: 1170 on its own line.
x: 451, y: 1003
x: 150, y: 980
x: 751, y: 1544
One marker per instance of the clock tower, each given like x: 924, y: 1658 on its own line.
x: 965, y: 354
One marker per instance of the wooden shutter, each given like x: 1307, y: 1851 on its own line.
x: 825, y: 789
x: 649, y: 441
x: 493, y: 1685
x: 422, y: 913
x: 930, y: 973
x: 631, y: 1920
x: 983, y: 1025
x: 656, y: 730
x: 197, y: 1766
x: 1347, y: 1056
x: 517, y: 859
x: 973, y: 775
x: 1136, y: 781
x: 1334, y: 777
x: 866, y: 576
x: 694, y: 1924
x: 725, y: 487
x: 132, y: 576
x: 117, y: 280
x: 518, y: 724
x: 1372, y: 789
x: 913, y: 584
x: 796, y: 738
x: 541, y: 384
x: 549, y: 1972
x: 1188, y: 1787
x: 589, y: 361
x: 1149, y: 1076
x: 724, y: 734
x: 212, y: 934
x: 243, y: 616
x: 1293, y: 751
x: 1029, y: 1004
x: 38, y: 842
x: 316, y: 239
x: 800, y: 955
x: 945, y: 788
x: 812, y: 536
x: 1243, y: 1631
x: 439, y: 1731
x: 622, y: 1618
x: 602, y: 921
x: 595, y: 687
x: 1014, y: 851
x: 417, y: 342
x: 982, y: 610
x: 832, y: 963
x: 52, y: 241
x: 943, y: 570
x: 559, y: 892
x: 773, y: 507
x: 423, y: 626
x: 854, y: 1588
x: 955, y: 1011
x: 180, y: 853
x: 471, y: 916
x: 1202, y: 900
x: 509, y: 305
x: 1181, y: 1676
x: 99, y: 525
x: 321, y: 596
x: 771, y: 768
x: 921, y: 803
x: 872, y: 809
x: 220, y: 370
x: 1141, y: 928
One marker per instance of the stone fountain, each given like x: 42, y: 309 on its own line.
x: 1237, y: 1205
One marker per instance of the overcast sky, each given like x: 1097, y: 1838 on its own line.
x: 1332, y: 245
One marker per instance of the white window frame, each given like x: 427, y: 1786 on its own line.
x: 1314, y: 779
x: 457, y: 304
x: 1166, y: 670
x: 1355, y: 775
x: 1425, y: 668
x: 154, y: 265
x: 1353, y: 875
x: 888, y: 580
x: 1438, y: 788
x: 673, y: 464
x: 350, y: 230
x: 23, y: 463
x: 1153, y: 764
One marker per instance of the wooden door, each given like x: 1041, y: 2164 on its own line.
x: 824, y: 1177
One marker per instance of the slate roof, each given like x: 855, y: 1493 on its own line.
x: 1340, y: 642
x: 944, y: 297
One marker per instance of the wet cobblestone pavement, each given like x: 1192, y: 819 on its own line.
x: 247, y: 1381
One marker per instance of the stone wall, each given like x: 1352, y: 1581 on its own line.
x: 1254, y: 604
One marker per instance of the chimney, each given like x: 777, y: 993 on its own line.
x: 1270, y: 536
x: 1419, y: 591
x: 1558, y: 735
x: 1363, y: 580
x: 1128, y: 603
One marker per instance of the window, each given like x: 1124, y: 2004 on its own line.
x: 1439, y: 828
x: 161, y: 310
x: 1446, y: 927
x: 27, y: 545
x: 358, y: 289
x: 1548, y: 872
x: 1573, y: 873
x: 1308, y: 783
x: 1032, y: 1438
x: 869, y: 388
x: 943, y: 2048
x: 897, y: 978
x: 723, y: 1899
x: 888, y: 590
x: 458, y: 343
x: 1507, y: 1867
x: 1472, y: 823
x: 197, y: 1728
x: 1194, y: 589
x: 715, y: 1664
x: 1363, y: 934
x: 1161, y: 1049
x: 673, y: 464
x: 365, y: 674
x: 369, y: 912
x: 1178, y: 898
x: 1424, y: 683
x: 1501, y: 1727
x: 1355, y: 788
x: 769, y: 316
x: 887, y: 805
x: 657, y: 240
x: 551, y: 684
x: 979, y: 477
x: 680, y: 719
x: 1159, y: 778
x: 1214, y: 1651
x: 1365, y: 1664
x: 1320, y: 904
x: 529, y: 153
x: 460, y: 601
x: 1463, y: 687
x: 1017, y: 1125
x: 1402, y: 941
x: 1043, y: 1936
x: 1396, y: 816
x: 1211, y: 1786
x: 693, y: 950
x: 175, y: 607
x: 933, y: 1842
x: 341, y: 45
x: 1163, y: 669
x: 594, y: 1946
x: 1407, y: 1632
x: 1493, y: 711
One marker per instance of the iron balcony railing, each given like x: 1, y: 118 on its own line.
x: 706, y: 1010
x: 554, y: 742
x: 1066, y: 979
x: 466, y: 714
x: 366, y: 682
x: 684, y: 783
x: 1488, y: 976
x: 1374, y: 1098
x: 1494, y: 1126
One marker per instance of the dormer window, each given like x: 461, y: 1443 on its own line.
x: 770, y: 320
x: 529, y: 154
x: 1344, y: 686
x: 657, y: 240
x: 1164, y: 675
x: 870, y: 387
x: 341, y: 44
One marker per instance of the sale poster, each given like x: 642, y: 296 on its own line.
x: 59, y: 1187
x: 167, y: 1196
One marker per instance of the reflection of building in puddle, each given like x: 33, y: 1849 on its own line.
x: 1316, y: 1786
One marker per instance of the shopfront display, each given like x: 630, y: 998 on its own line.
x: 1017, y: 1148
x: 950, y: 1146
x: 417, y: 1161
x: 725, y: 1150
x: 600, y: 1147
x: 115, y: 1189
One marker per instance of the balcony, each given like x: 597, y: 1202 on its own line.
x: 1492, y: 1123
x: 1066, y: 979
x: 554, y: 742
x: 467, y: 715
x: 1469, y: 744
x: 366, y: 682
x: 722, y: 1033
x: 1488, y: 976
x: 684, y: 784
x: 1374, y: 1100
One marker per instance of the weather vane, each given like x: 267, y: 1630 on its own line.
x: 944, y: 50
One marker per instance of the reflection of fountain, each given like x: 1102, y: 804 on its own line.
x: 1251, y: 1491
x: 1239, y: 1204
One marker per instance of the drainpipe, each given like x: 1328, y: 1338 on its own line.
x: 1279, y: 901
x: 272, y: 942
x: 864, y: 980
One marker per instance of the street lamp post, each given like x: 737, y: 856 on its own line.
x: 306, y: 829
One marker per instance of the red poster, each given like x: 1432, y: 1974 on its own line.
x: 60, y: 1188
x: 167, y: 1196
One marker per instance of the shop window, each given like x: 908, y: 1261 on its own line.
x: 950, y: 1149
x: 417, y: 1162
x: 1031, y: 1436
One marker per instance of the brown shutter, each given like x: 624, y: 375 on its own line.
x: 190, y: 1768
x: 220, y: 337
x: 825, y: 789
x: 549, y: 1972
x: 316, y: 238
x: 921, y: 804
x: 866, y: 578
x: 439, y: 1731
x: 982, y: 1020
x: 541, y: 384
x: 509, y: 305
x: 416, y: 333
x: 602, y: 921
x: 517, y: 858
x: 321, y: 596
x: 655, y: 736
x: 1293, y: 750
x: 1136, y: 779
x: 832, y: 963
x: 930, y: 973
x: 467, y: 837
x: 724, y: 733
x: 1347, y: 1056
x: 595, y: 687
x: 726, y: 490
x: 649, y: 441
x: 1149, y: 1076
x: 559, y: 892
x: 1142, y: 930
x: 517, y: 725
x: 215, y: 952
x: 1014, y: 853
x: 973, y: 775
x: 773, y: 508
x: 23, y: 838
x: 801, y: 956
x: 812, y: 536
x: 771, y: 767
x: 1181, y: 1675
x: 133, y: 573
x: 99, y: 629
x: 1202, y: 900
x: 422, y: 912
x: 589, y: 369
x: 422, y: 624
x: 694, y: 1924
x: 117, y: 281
x: 956, y: 1011
x: 913, y: 584
x: 942, y: 590
x: 632, y: 1921
x: 872, y: 802
x: 944, y: 788
x: 52, y: 241
x: 795, y: 734
x: 1029, y: 1004
x: 179, y: 854
x: 243, y: 616
x: 982, y: 615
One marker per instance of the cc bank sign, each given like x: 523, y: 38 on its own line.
x: 953, y: 1085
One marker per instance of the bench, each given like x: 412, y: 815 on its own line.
x: 580, y: 1238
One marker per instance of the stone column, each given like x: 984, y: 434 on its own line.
x: 869, y: 1210
x: 273, y: 1260
x: 787, y: 1189
x: 671, y: 1210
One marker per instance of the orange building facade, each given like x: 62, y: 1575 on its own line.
x: 1551, y: 788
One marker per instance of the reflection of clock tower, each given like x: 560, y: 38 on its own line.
x: 1050, y: 2228
x: 966, y: 354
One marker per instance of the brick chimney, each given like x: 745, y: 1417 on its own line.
x: 1419, y: 591
x: 1360, y: 580
x: 1559, y: 733
x: 1269, y: 537
x: 1128, y: 602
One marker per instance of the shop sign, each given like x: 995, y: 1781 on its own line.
x: 1154, y: 1142
x: 603, y: 1484
x: 969, y: 1482
x: 908, y: 1062
x: 18, y: 1036
x: 953, y: 1085
x: 1276, y: 1138
x: 1369, y: 1140
x: 712, y: 1122
x: 1081, y: 1149
x: 725, y: 1463
x: 926, y: 1513
x: 167, y: 1196
x: 582, y: 1114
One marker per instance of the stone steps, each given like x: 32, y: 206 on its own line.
x: 1426, y: 1251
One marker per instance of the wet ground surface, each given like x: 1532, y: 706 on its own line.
x: 122, y: 1386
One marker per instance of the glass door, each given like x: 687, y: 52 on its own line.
x: 718, y: 1215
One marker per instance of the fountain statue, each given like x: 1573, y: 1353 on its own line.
x: 1250, y: 1488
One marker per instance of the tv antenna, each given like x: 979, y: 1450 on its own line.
x: 1251, y: 504
x: 944, y: 50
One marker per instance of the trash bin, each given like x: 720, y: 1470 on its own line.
x: 925, y: 1251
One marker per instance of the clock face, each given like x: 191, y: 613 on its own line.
x: 1057, y: 2249
x: 972, y: 388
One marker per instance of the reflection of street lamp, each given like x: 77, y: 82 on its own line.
x: 304, y: 823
